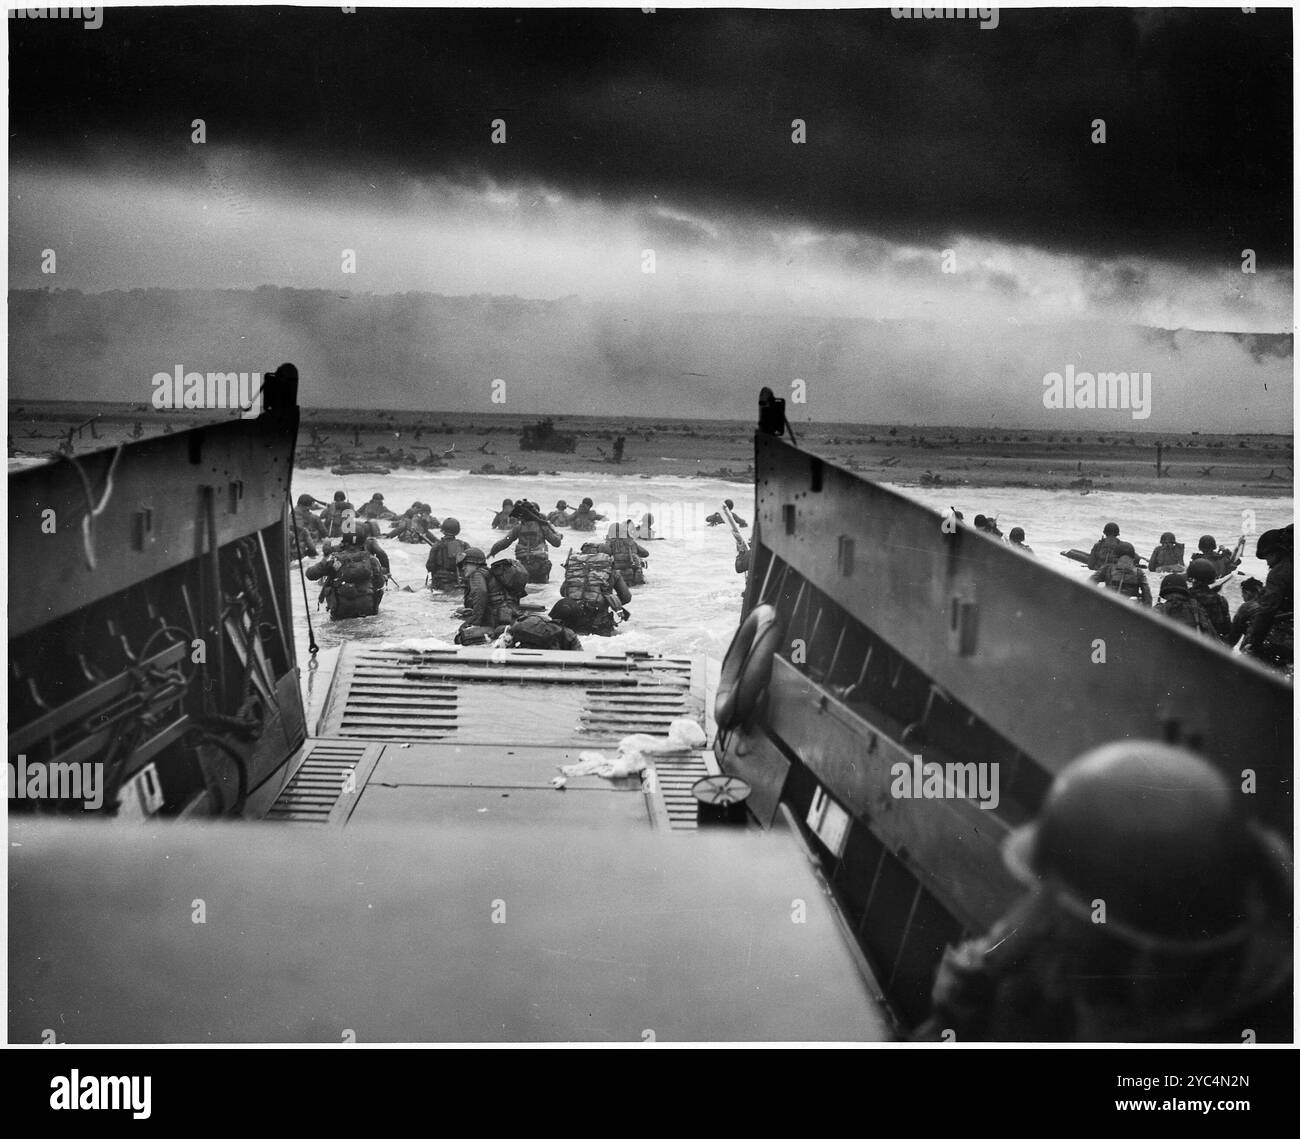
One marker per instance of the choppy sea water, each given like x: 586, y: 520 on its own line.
x: 692, y: 597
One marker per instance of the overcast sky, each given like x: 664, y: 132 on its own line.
x: 672, y: 132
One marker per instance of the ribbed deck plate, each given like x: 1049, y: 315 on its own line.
x: 512, y: 696
x: 320, y: 790
x: 674, y: 776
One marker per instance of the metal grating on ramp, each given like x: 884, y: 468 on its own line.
x: 383, y: 703
x: 315, y: 793
x: 674, y: 776
x: 511, y: 696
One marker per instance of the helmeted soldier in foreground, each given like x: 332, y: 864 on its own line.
x: 1157, y: 913
x: 353, y: 579
x: 444, y: 557
x: 487, y: 610
x: 415, y: 524
x: 530, y: 535
x: 1178, y: 604
x: 560, y: 515
x: 1200, y: 576
x: 1168, y: 556
x: 501, y: 520
x: 1221, y: 558
x: 1272, y: 629
x: 1123, y: 577
x: 627, y: 552
x: 1250, y: 591
x: 585, y: 517
x: 594, y: 592
x: 336, y: 517
x: 304, y: 516
x: 375, y: 508
x: 1108, y: 550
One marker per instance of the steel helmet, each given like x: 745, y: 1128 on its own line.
x: 587, y: 502
x: 1111, y: 529
x: 1271, y: 541
x: 561, y: 505
x: 1147, y: 828
x: 1017, y: 534
x: 450, y: 526
x: 566, y: 612
x: 472, y: 554
x: 1168, y: 539
x: 1173, y: 581
x: 1201, y: 570
x: 1207, y: 543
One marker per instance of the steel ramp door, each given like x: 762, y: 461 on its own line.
x: 395, y: 934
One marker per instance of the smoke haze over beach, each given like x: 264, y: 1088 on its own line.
x: 947, y: 235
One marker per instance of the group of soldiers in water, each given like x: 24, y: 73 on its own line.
x: 989, y: 526
x: 1189, y: 590
x: 597, y: 585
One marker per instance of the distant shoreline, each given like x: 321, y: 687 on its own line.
x: 113, y: 411
x: 486, y: 443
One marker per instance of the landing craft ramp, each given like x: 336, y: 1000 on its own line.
x: 474, y: 735
x: 420, y: 878
x: 417, y: 933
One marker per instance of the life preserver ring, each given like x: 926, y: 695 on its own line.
x: 747, y: 667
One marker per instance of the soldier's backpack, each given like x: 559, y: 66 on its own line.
x: 588, y: 580
x: 512, y: 577
x: 626, y: 560
x: 1127, y: 580
x: 354, y: 579
x: 443, y: 555
x: 537, y: 632
x: 354, y: 566
x: 1186, y: 610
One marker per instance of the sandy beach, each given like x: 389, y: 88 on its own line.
x: 1200, y: 464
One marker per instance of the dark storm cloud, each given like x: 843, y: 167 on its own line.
x: 916, y: 129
